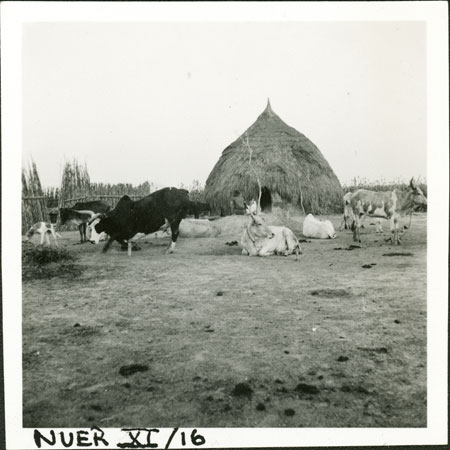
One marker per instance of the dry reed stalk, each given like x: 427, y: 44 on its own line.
x: 33, y: 200
x: 75, y: 183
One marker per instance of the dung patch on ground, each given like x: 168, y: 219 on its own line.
x: 242, y: 390
x: 130, y: 369
x: 398, y: 254
x: 373, y: 349
x: 354, y: 388
x: 304, y: 388
x: 331, y: 293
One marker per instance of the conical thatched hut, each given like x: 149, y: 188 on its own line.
x: 291, y: 170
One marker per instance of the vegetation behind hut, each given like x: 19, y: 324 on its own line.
x: 196, y: 191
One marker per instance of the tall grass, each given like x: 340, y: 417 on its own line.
x: 47, y: 262
x: 33, y: 202
x: 75, y: 182
x: 107, y: 189
x: 196, y: 191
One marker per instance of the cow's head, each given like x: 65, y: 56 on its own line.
x: 111, y: 222
x: 418, y: 197
x: 64, y: 214
x: 95, y: 237
x: 98, y: 224
x: 330, y: 230
x: 257, y: 228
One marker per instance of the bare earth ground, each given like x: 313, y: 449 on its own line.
x: 322, y: 342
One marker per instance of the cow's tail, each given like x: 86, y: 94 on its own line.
x: 298, y: 251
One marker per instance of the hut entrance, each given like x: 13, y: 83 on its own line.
x: 266, y: 199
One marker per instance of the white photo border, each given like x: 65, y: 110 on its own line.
x: 435, y: 14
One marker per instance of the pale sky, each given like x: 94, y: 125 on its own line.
x: 161, y: 101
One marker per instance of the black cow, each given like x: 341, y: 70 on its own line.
x: 145, y: 216
x: 81, y: 213
x: 198, y: 208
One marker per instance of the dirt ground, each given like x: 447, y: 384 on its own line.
x: 208, y: 337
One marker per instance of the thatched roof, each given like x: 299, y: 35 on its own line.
x: 287, y: 162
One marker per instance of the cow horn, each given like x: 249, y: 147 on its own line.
x: 96, y: 216
x: 247, y: 209
x: 412, y: 183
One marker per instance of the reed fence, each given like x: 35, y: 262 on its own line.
x: 111, y: 199
x: 34, y: 208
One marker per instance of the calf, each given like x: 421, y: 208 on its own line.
x: 146, y: 216
x: 44, y: 229
x: 348, y: 213
x: 388, y: 205
x: 259, y: 239
x: 318, y: 229
x: 81, y: 213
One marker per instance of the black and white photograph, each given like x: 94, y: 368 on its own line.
x: 233, y: 219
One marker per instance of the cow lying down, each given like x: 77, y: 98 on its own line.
x: 259, y: 239
x: 197, y: 228
x: 318, y: 229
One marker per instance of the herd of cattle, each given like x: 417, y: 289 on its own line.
x: 168, y: 208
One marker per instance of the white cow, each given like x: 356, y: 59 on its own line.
x: 259, y: 239
x: 390, y: 205
x: 318, y: 229
x: 44, y: 229
x: 193, y: 228
x: 198, y: 228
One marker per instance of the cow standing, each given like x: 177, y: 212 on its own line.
x: 145, y: 216
x: 348, y: 218
x: 81, y: 213
x: 388, y: 205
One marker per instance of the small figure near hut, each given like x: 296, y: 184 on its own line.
x: 237, y: 204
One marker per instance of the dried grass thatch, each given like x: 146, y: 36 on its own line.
x: 288, y: 164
